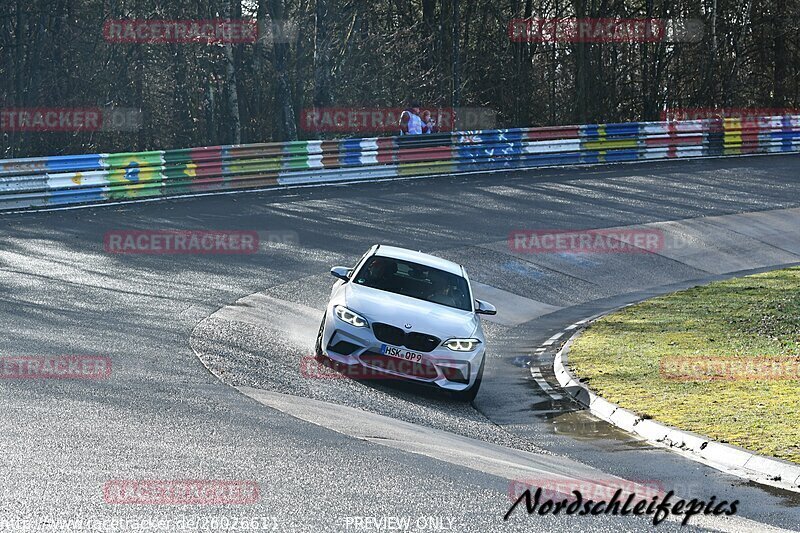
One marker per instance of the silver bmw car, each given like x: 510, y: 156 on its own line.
x: 404, y: 314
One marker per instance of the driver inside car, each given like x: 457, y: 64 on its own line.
x: 381, y: 274
x: 441, y: 290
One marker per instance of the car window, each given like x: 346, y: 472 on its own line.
x: 416, y: 281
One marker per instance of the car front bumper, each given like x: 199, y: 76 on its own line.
x: 359, y: 348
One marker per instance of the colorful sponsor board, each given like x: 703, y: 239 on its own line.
x: 746, y: 116
x: 96, y: 178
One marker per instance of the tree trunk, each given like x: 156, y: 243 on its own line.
x: 232, y: 85
x: 181, y: 110
x: 455, y: 101
x: 322, y: 55
x: 582, y: 79
x: 711, y: 60
x: 211, y: 126
x: 429, y: 30
x: 779, y: 77
x: 259, y: 81
x: 280, y: 51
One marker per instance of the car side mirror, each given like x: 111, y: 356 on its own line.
x: 485, y: 308
x: 341, y: 273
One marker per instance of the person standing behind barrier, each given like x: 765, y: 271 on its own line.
x: 410, y: 121
x: 428, y: 124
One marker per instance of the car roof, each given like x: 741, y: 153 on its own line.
x: 419, y: 258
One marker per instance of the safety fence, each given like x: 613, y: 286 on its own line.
x: 84, y: 179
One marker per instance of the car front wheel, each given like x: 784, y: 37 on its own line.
x: 318, y: 346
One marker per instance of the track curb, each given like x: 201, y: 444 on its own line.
x: 725, y: 457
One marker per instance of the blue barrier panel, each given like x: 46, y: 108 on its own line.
x: 77, y: 196
x: 621, y: 155
x: 626, y: 129
x: 68, y: 163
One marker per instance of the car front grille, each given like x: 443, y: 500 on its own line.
x: 423, y: 370
x: 420, y: 342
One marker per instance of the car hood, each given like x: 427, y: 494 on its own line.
x: 398, y: 310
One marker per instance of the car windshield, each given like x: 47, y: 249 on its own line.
x: 416, y: 281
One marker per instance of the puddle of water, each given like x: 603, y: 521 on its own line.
x: 579, y: 424
x: 785, y: 497
x: 522, y: 361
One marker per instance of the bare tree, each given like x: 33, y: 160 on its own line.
x: 53, y: 53
x: 280, y: 52
x: 231, y: 85
x: 322, y: 54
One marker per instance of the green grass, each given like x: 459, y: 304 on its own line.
x: 755, y: 317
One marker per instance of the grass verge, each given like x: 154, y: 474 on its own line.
x: 722, y: 360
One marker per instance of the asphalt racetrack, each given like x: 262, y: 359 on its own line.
x: 207, y: 351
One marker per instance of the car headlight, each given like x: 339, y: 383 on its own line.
x: 346, y: 315
x: 462, y: 345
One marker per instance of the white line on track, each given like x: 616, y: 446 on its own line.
x: 552, y: 339
x: 536, y: 374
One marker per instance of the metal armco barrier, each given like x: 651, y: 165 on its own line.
x: 87, y: 179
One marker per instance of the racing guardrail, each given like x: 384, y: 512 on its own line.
x: 85, y: 179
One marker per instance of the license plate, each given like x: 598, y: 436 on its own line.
x: 401, y: 353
